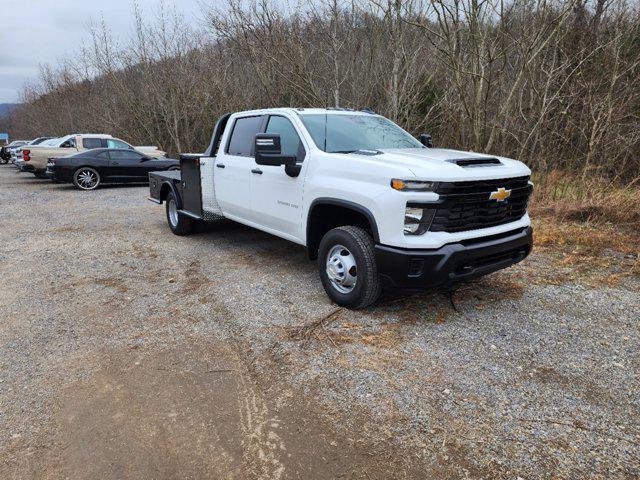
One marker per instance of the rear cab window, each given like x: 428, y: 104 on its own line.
x: 91, y: 143
x: 243, y: 136
x: 114, y: 143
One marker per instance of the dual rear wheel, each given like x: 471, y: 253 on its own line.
x: 178, y: 223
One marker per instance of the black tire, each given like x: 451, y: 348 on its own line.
x: 361, y: 248
x: 40, y: 175
x: 178, y: 223
x: 89, y: 172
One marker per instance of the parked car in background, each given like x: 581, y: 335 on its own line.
x: 7, y: 151
x: 19, y: 162
x: 89, y: 169
x: 17, y: 153
x: 35, y: 158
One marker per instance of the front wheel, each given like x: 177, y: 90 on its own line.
x: 178, y: 223
x: 86, y: 178
x: 347, y: 266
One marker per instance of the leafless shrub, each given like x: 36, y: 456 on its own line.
x: 551, y: 82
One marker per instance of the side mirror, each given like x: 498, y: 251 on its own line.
x: 145, y: 159
x: 268, y: 150
x: 425, y: 139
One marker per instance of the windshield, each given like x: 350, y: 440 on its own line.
x: 340, y: 133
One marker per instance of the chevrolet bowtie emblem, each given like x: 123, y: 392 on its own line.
x: 500, y: 195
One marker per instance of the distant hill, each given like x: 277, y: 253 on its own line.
x: 6, y: 108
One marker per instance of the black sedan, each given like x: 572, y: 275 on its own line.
x: 88, y: 169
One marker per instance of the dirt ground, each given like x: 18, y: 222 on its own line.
x: 128, y: 352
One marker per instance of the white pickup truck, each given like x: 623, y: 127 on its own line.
x: 376, y: 207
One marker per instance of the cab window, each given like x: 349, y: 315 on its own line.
x: 90, y: 143
x: 71, y: 143
x: 290, y: 143
x: 243, y: 136
x: 113, y: 143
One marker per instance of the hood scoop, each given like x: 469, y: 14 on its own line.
x: 475, y: 162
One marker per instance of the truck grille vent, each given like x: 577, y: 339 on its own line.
x: 467, y: 206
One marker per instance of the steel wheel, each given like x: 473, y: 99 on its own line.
x: 173, y: 212
x: 86, y: 179
x: 341, y: 269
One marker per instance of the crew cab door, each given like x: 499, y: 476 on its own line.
x: 276, y: 198
x: 232, y: 176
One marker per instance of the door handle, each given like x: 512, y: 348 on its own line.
x: 257, y: 170
x: 220, y: 165
x: 116, y: 163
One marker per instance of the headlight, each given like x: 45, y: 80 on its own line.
x: 413, y: 185
x: 417, y: 219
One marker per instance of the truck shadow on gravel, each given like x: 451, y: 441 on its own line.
x: 259, y: 250
x: 396, y: 315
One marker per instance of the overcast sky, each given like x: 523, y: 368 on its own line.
x: 39, y: 31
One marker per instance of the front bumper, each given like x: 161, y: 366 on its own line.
x: 420, y: 269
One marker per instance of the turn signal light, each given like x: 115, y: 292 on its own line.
x: 412, y: 185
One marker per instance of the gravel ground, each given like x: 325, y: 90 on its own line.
x: 128, y: 352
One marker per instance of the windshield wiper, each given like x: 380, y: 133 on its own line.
x: 361, y: 151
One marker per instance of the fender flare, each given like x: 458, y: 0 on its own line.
x: 173, y: 190
x: 346, y: 204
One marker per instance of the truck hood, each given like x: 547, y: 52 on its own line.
x: 449, y: 165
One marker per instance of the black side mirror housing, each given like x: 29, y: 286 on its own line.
x: 268, y: 151
x: 425, y: 139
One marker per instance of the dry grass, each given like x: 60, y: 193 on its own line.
x: 586, y: 217
x: 585, y: 239
x: 571, y: 198
x: 591, y: 226
x: 595, y: 253
x: 385, y: 339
